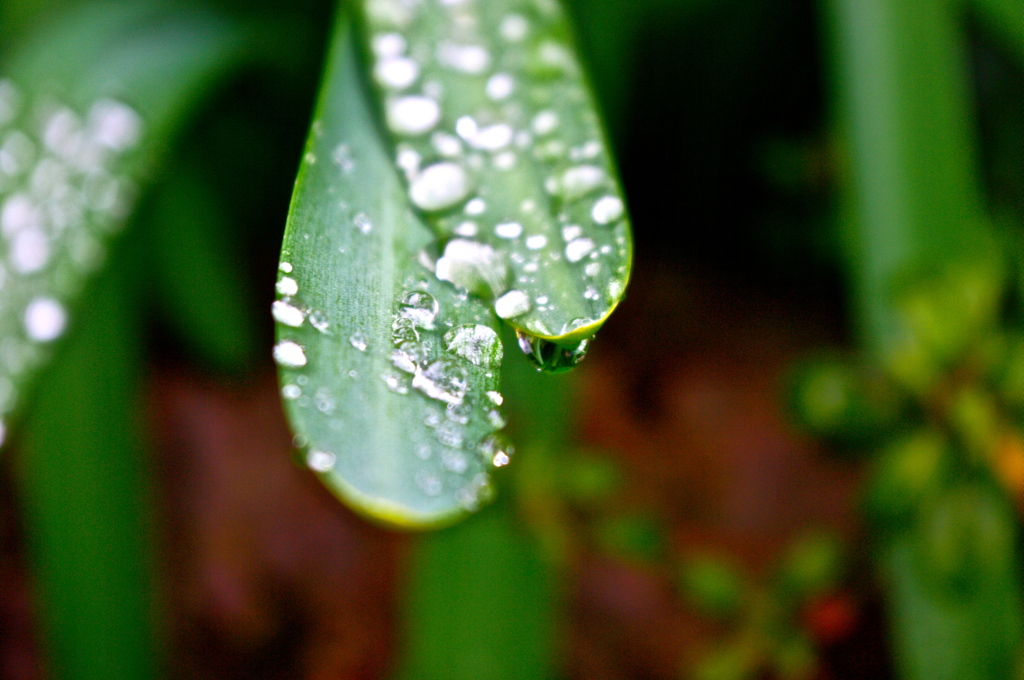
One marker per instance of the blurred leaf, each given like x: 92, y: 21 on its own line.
x: 389, y: 374
x: 634, y: 536
x: 1006, y: 20
x: 496, y: 132
x: 201, y: 283
x: 713, y: 585
x: 480, y: 605
x: 84, y: 487
x: 923, y: 259
x: 907, y: 472
x: 970, y: 627
x: 811, y: 566
x: 84, y: 114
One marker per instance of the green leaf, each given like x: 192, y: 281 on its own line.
x: 480, y: 603
x: 495, y: 130
x: 85, y: 111
x: 389, y: 375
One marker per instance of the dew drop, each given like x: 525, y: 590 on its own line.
x: 497, y: 450
x: 500, y: 86
x: 286, y: 267
x: 495, y: 397
x: 394, y: 383
x: 496, y: 419
x: 511, y: 304
x: 472, y: 59
x: 409, y: 356
x: 476, y: 206
x: 318, y: 320
x: 388, y: 45
x: 419, y: 307
x: 413, y: 115
x: 581, y: 180
x: 342, y: 155
x: 454, y: 461
x: 287, y: 314
x: 607, y: 210
x: 508, y: 230
x: 514, y: 28
x: 544, y: 123
x: 578, y: 248
x: 362, y: 223
x: 446, y: 145
x: 320, y: 461
x: 444, y: 381
x: 291, y: 391
x: 439, y: 187
x: 359, y: 341
x: 396, y: 73
x: 477, y: 343
x: 289, y: 354
x: 466, y: 229
x: 473, y: 266
x: 536, y: 242
x: 45, y: 319
x: 287, y: 286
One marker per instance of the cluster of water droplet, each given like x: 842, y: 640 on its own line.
x: 446, y: 368
x: 61, y: 194
x: 496, y: 137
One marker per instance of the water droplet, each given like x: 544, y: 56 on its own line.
x: 444, y: 381
x: 496, y: 419
x: 544, y: 123
x: 607, y: 210
x: 409, y: 356
x: 491, y: 138
x: 318, y: 320
x: 467, y: 229
x: 342, y: 155
x: 479, y: 344
x: 472, y: 59
x: 592, y: 269
x: 500, y: 86
x: 549, y: 356
x: 30, y: 250
x: 439, y: 187
x: 476, y: 206
x: 511, y: 304
x: 287, y: 286
x: 320, y: 461
x: 388, y: 45
x: 396, y: 73
x: 419, y: 307
x: 495, y: 397
x: 536, y: 242
x: 394, y: 383
x: 508, y: 230
x: 514, y: 28
x: 454, y: 461
x: 286, y: 267
x: 289, y: 354
x: 429, y: 483
x: 474, y: 266
x: 581, y: 180
x: 497, y: 450
x: 358, y: 340
x: 578, y: 248
x: 114, y: 125
x: 45, y: 319
x: 403, y: 330
x: 413, y: 115
x: 287, y: 314
x: 362, y: 223
x: 446, y: 145
x: 449, y: 434
x: 291, y: 391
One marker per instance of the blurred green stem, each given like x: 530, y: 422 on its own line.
x: 85, y: 488
x: 917, y: 217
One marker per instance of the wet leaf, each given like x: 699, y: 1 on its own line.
x: 494, y: 128
x: 85, y: 110
x: 389, y: 375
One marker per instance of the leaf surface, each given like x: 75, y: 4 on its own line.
x: 495, y: 130
x: 389, y: 375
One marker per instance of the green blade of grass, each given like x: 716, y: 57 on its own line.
x: 84, y: 486
x: 85, y: 112
x: 480, y: 604
x: 494, y: 127
x: 926, y: 272
x: 389, y: 375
